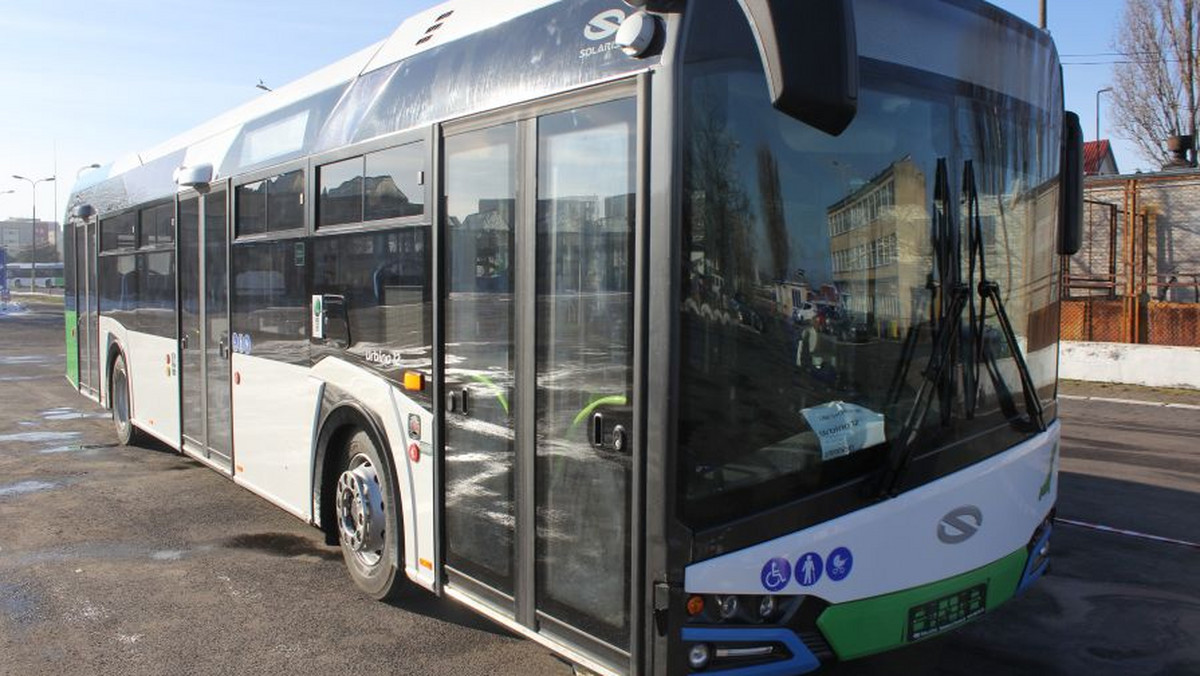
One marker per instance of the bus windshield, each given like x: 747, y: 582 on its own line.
x: 812, y: 291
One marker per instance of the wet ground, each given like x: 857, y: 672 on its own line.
x: 139, y: 561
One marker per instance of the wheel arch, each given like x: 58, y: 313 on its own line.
x: 115, y: 349
x: 342, y: 416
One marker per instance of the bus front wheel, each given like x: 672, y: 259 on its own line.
x: 367, y: 520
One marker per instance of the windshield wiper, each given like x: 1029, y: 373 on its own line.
x: 946, y: 321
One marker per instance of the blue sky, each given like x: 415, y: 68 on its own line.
x: 87, y: 81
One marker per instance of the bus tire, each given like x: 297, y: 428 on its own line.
x: 127, y: 433
x: 367, y: 520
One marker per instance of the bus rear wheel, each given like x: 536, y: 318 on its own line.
x: 367, y: 520
x: 127, y: 433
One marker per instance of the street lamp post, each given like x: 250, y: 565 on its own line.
x: 33, y: 226
x: 1098, y: 93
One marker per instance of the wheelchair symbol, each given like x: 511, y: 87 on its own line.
x: 776, y: 573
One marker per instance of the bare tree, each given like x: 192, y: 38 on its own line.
x: 1155, y: 87
x: 770, y: 191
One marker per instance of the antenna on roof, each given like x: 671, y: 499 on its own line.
x: 261, y: 85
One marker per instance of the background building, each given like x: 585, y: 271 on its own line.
x: 879, y: 245
x: 1098, y: 159
x: 16, y: 236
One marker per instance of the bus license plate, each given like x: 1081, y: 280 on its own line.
x: 934, y: 617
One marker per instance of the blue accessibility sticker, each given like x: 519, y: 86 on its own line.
x: 839, y: 564
x: 809, y: 569
x: 776, y: 573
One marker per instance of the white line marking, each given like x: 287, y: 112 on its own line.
x: 1134, y: 402
x: 1127, y: 533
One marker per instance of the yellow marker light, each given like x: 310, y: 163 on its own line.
x: 426, y: 563
x: 414, y: 381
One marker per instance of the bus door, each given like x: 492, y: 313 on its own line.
x: 86, y: 319
x: 538, y: 235
x: 204, y: 326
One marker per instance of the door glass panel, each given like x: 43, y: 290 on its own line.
x: 189, y: 320
x: 84, y: 331
x: 585, y: 210
x: 216, y: 320
x: 93, y: 309
x: 480, y: 206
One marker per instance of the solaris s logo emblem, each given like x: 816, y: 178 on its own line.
x: 960, y: 524
x: 604, y: 25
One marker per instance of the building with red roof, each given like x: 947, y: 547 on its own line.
x: 1098, y: 159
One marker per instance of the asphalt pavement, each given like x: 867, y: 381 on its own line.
x: 140, y: 561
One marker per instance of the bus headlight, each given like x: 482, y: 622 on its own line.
x: 699, y: 656
x: 728, y: 606
x: 767, y: 607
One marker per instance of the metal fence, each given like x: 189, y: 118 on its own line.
x: 1136, y: 279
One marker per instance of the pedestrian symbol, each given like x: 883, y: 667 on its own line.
x: 839, y: 564
x: 809, y: 569
x: 776, y: 573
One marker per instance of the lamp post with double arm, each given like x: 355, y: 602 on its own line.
x: 33, y: 226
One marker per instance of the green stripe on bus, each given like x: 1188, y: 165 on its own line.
x: 611, y: 400
x: 69, y: 323
x: 488, y: 382
x: 873, y: 625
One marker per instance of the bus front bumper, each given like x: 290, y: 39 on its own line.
x: 874, y: 625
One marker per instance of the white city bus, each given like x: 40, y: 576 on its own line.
x: 507, y: 306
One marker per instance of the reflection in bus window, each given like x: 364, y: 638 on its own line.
x: 268, y: 298
x: 384, y: 279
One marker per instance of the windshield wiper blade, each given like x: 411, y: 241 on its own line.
x: 933, y: 380
x: 989, y: 291
x: 946, y: 317
x: 947, y: 298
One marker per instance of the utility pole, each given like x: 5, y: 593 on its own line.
x: 1098, y: 93
x: 1042, y: 14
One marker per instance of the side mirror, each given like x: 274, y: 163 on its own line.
x: 194, y: 177
x: 809, y: 52
x: 83, y: 212
x: 1070, y: 201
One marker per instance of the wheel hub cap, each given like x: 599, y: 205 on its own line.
x: 360, y: 510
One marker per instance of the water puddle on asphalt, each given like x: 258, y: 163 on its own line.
x: 167, y: 555
x: 24, y: 488
x: 42, y: 437
x: 82, y: 553
x: 15, y: 360
x: 282, y: 544
x: 19, y: 604
x: 75, y: 448
x: 64, y: 413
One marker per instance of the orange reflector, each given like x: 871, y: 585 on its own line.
x: 414, y: 452
x: 426, y: 563
x: 414, y: 381
x: 237, y: 378
x: 695, y: 605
